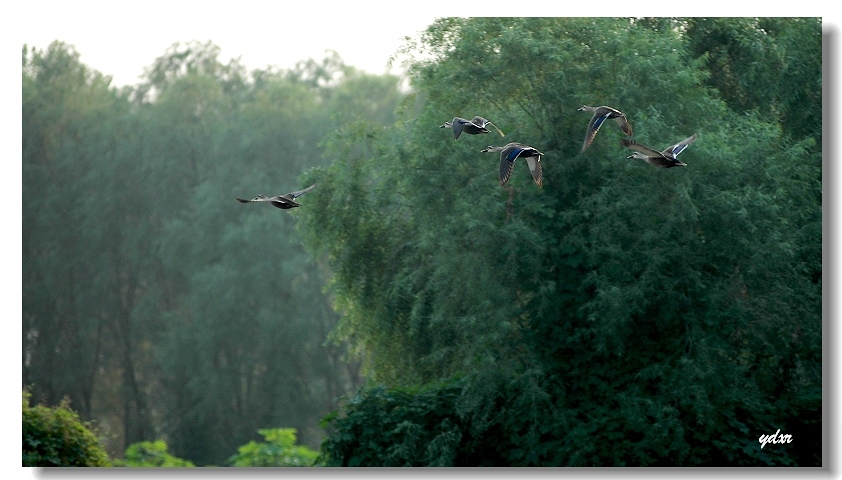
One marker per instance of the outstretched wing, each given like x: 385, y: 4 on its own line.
x: 458, y: 124
x: 593, y: 128
x: 508, y: 156
x: 480, y: 121
x: 624, y: 124
x: 294, y: 195
x: 633, y: 145
x: 534, y: 163
x: 258, y: 198
x: 483, y: 122
x: 679, y: 147
x: 507, y: 161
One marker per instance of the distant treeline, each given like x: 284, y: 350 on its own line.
x: 153, y: 300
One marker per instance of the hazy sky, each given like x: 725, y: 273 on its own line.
x: 122, y: 38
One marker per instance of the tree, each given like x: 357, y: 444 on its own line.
x: 620, y: 315
x: 764, y: 64
x: 249, y: 319
x: 79, y: 286
x: 177, y: 314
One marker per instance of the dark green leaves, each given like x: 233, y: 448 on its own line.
x: 620, y: 315
x: 56, y: 437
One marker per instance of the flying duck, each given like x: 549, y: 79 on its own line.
x: 600, y: 114
x: 285, y: 201
x: 665, y: 159
x: 474, y: 127
x: 511, y: 152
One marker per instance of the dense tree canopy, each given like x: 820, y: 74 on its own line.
x: 619, y: 315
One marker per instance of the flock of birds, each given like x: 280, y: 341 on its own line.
x: 510, y: 152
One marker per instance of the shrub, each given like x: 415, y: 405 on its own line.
x: 279, y: 450
x: 151, y: 454
x: 56, y: 437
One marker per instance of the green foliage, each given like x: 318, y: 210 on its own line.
x: 765, y: 64
x: 176, y: 288
x: 620, y: 315
x: 56, y: 437
x: 151, y: 454
x: 400, y: 428
x: 279, y: 450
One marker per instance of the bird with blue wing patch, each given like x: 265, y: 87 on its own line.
x: 600, y: 115
x: 511, y: 152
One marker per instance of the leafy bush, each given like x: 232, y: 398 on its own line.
x: 279, y: 450
x: 56, y: 437
x: 151, y: 454
x: 406, y: 427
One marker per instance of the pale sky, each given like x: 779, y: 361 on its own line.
x: 121, y: 38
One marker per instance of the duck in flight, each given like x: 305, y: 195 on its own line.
x: 474, y: 127
x: 511, y: 152
x: 668, y: 158
x: 285, y: 201
x: 600, y: 115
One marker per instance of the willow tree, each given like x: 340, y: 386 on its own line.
x: 621, y: 314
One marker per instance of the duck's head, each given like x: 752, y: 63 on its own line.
x: 490, y: 148
x: 446, y: 125
x: 585, y: 107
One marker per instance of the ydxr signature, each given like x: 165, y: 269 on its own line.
x: 774, y: 438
